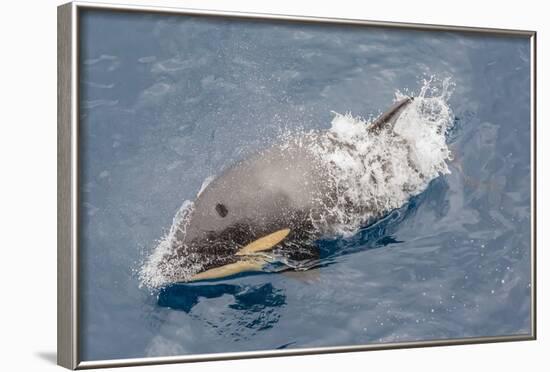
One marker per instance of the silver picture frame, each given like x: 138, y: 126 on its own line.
x: 68, y: 348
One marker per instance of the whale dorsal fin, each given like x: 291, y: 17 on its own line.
x: 391, y: 115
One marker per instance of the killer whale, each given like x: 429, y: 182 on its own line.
x: 265, y: 206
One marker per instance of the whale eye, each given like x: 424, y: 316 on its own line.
x: 222, y: 210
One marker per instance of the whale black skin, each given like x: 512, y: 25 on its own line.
x: 282, y: 187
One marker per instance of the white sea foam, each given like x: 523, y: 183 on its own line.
x: 372, y: 174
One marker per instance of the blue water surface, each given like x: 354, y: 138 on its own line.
x: 167, y: 101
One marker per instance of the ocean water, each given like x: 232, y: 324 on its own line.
x: 169, y: 101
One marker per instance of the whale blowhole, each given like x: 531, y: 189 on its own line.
x: 221, y: 209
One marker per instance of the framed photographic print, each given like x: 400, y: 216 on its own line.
x: 235, y: 185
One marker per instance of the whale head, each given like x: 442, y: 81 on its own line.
x: 258, y: 208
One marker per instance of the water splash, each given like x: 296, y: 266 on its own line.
x: 374, y: 174
x: 154, y: 273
